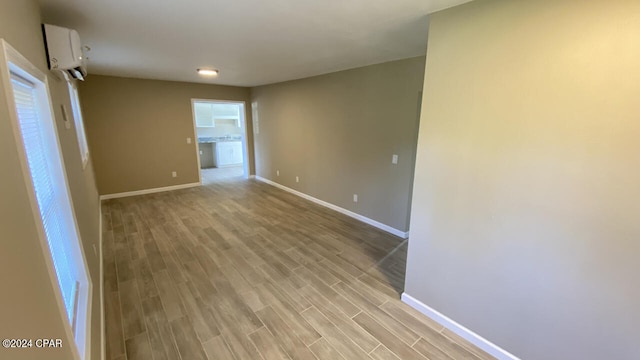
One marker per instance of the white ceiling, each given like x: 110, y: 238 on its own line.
x: 252, y: 42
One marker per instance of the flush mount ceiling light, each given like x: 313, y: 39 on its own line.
x: 208, y: 72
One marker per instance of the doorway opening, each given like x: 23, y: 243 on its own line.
x: 221, y: 131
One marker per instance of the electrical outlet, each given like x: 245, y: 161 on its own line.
x: 277, y: 172
x: 297, y: 179
x: 355, y: 197
x: 394, y: 159
x: 201, y: 152
x: 174, y: 174
x: 188, y: 140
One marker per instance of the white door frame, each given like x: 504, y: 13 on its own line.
x: 243, y: 121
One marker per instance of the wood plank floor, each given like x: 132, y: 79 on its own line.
x: 237, y: 269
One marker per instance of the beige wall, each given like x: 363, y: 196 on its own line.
x: 137, y: 130
x: 27, y: 303
x: 337, y: 132
x: 527, y: 188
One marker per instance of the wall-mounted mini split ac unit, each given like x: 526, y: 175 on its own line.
x: 64, y: 51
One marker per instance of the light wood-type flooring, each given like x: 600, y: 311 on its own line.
x: 238, y: 269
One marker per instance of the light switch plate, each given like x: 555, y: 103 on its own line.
x: 394, y: 159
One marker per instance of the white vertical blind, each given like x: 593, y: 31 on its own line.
x: 48, y: 189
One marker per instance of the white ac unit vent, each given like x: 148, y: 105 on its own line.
x: 64, y: 51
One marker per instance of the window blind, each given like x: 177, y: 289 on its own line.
x: 47, y: 189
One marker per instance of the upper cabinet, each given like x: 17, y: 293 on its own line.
x: 204, y: 115
x: 215, y: 114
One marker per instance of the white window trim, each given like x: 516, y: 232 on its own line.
x: 12, y: 61
x: 78, y: 122
x: 243, y: 125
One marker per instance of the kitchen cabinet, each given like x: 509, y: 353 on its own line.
x: 218, y: 121
x: 228, y: 153
x: 204, y: 122
x: 216, y: 114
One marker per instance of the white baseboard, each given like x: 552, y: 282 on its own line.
x: 148, y: 191
x: 477, y: 340
x: 103, y: 342
x: 356, y: 216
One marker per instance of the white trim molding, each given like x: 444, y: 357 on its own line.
x: 245, y: 132
x: 103, y: 341
x: 148, y: 191
x: 477, y: 340
x: 11, y: 61
x: 364, y: 219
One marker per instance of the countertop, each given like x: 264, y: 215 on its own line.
x: 207, y: 140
